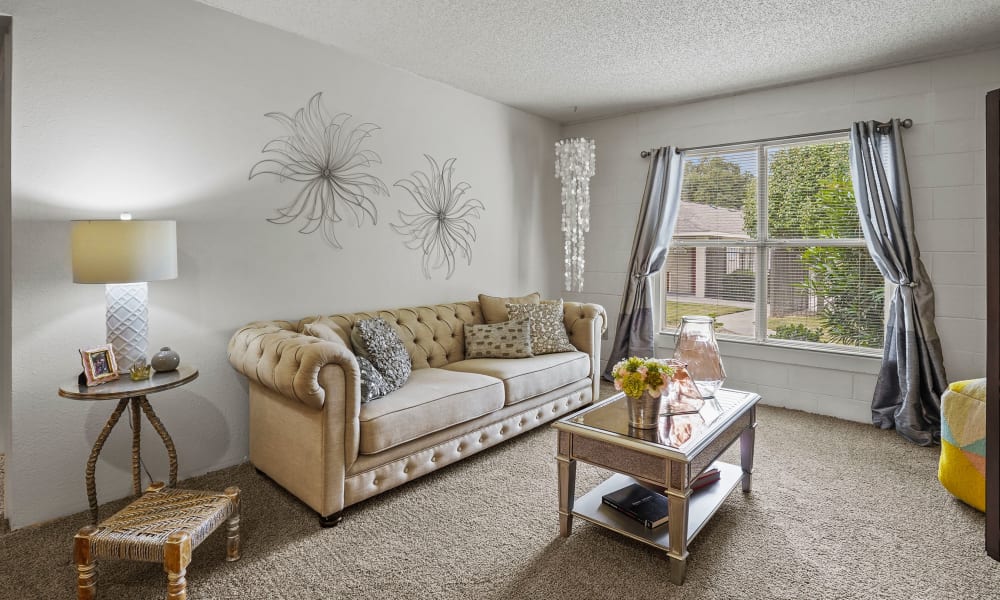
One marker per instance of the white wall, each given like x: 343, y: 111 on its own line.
x: 5, y: 256
x: 945, y: 153
x: 158, y: 108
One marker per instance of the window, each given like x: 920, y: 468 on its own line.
x: 769, y: 243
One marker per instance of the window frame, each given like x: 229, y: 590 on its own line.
x: 762, y: 245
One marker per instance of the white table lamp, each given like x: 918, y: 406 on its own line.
x: 124, y: 255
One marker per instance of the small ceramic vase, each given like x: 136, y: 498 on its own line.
x: 165, y: 360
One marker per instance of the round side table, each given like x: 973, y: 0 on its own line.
x: 129, y: 394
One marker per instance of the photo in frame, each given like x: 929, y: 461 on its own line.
x: 99, y: 364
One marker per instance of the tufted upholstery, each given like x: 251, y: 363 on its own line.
x: 375, y: 474
x: 433, y: 335
x: 272, y: 354
x: 305, y: 410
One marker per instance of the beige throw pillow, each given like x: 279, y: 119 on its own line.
x: 495, y: 307
x: 327, y: 329
x: 548, y: 332
x: 510, y: 339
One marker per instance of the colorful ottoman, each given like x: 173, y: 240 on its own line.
x: 962, y: 469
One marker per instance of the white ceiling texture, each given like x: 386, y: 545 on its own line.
x: 575, y: 60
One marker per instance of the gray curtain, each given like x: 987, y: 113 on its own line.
x: 657, y: 217
x: 912, y: 378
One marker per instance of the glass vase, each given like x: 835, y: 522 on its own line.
x: 682, y: 396
x: 696, y: 346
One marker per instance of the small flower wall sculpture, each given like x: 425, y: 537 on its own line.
x: 325, y: 155
x: 441, y: 228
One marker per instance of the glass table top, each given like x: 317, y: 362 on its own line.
x: 677, y: 431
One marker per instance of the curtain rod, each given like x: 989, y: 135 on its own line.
x: 906, y: 123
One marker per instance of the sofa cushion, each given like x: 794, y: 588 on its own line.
x: 548, y: 332
x: 495, y: 307
x: 510, y: 339
x: 377, y: 341
x: 432, y: 400
x: 525, y: 378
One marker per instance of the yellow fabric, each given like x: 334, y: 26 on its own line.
x: 973, y: 388
x: 960, y: 477
x: 962, y: 467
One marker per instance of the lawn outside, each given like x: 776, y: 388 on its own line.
x: 676, y: 310
x: 736, y: 318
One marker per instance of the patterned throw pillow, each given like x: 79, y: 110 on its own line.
x: 373, y: 385
x: 377, y: 341
x: 495, y: 307
x: 510, y: 339
x: 548, y: 332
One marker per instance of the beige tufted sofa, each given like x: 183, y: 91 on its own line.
x: 310, y: 432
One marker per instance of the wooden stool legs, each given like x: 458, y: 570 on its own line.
x: 233, y: 525
x: 112, y: 539
x: 86, y: 576
x: 176, y: 557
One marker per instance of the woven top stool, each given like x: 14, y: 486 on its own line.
x: 163, y: 526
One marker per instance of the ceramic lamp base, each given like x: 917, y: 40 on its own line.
x: 127, y: 321
x: 643, y: 411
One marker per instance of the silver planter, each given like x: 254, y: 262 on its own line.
x: 643, y: 411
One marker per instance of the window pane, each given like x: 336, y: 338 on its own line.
x: 716, y: 189
x: 716, y: 281
x: 809, y: 192
x: 825, y: 294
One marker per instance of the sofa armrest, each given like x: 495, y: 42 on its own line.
x: 274, y: 355
x: 585, y: 323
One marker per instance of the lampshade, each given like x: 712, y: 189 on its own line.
x: 124, y: 251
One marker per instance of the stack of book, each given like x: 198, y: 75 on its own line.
x: 648, y: 506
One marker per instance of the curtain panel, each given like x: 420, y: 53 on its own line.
x: 635, y: 335
x: 912, y: 376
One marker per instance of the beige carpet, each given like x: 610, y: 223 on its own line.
x: 839, y: 510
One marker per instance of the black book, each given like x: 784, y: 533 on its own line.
x: 640, y: 503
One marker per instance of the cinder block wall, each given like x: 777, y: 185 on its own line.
x: 945, y: 151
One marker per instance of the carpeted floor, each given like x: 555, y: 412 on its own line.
x: 839, y: 510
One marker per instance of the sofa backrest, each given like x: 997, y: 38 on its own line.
x: 433, y: 335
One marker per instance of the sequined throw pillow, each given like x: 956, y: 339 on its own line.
x: 373, y: 385
x: 548, y: 333
x: 510, y: 339
x: 376, y: 340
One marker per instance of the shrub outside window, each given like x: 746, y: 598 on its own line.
x: 769, y: 243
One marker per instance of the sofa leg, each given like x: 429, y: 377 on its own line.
x: 331, y: 520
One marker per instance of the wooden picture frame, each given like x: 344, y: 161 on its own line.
x: 99, y: 364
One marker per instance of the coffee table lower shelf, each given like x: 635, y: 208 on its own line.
x: 701, y: 506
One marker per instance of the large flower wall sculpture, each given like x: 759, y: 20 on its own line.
x: 326, y: 155
x: 442, y: 227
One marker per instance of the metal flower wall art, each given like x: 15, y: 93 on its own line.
x: 326, y: 155
x: 441, y: 228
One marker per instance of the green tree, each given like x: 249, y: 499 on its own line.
x: 846, y: 281
x: 796, y: 207
x: 717, y: 182
x: 810, y: 195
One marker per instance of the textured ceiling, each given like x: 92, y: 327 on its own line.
x: 574, y: 60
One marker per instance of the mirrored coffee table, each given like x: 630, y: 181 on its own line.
x: 666, y: 458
